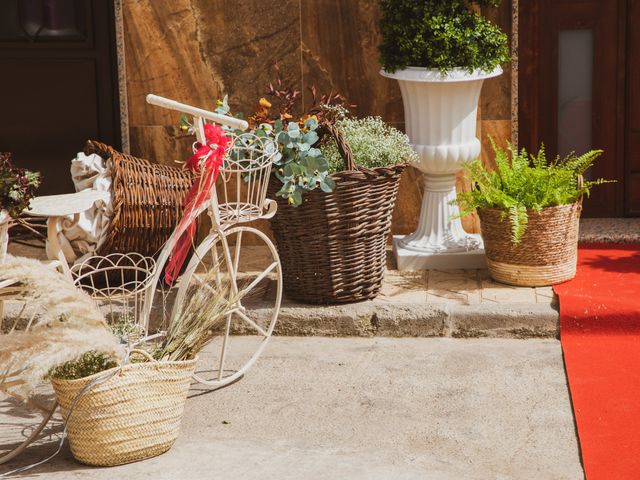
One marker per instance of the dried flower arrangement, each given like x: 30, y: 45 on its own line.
x: 71, y: 338
x: 209, y: 299
x: 17, y: 186
x: 68, y: 326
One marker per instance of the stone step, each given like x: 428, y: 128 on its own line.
x: 369, y: 319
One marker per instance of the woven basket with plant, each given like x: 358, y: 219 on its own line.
x: 529, y: 211
x: 335, y: 179
x: 129, y: 411
x: 134, y: 414
x: 333, y: 245
x: 118, y: 407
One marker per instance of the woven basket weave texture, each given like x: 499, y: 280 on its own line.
x: 133, y: 415
x: 547, y: 253
x: 147, y: 201
x: 333, y: 246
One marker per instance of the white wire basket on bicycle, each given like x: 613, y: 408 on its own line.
x: 118, y: 283
x: 244, y: 179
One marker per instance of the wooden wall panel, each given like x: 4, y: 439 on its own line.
x: 340, y: 52
x: 198, y: 50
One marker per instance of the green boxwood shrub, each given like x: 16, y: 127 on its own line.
x: 440, y: 34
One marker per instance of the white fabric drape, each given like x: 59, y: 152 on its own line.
x: 82, y: 240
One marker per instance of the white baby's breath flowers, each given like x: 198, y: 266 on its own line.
x: 373, y: 143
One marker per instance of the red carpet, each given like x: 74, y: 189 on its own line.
x: 600, y: 334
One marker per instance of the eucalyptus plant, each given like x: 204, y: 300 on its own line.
x: 522, y: 183
x: 300, y: 166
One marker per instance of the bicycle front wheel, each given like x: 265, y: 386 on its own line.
x: 236, y: 279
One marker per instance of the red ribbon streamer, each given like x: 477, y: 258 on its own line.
x: 205, y: 162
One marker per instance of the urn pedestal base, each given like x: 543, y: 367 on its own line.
x: 412, y: 260
x: 439, y: 241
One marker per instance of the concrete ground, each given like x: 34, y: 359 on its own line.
x: 371, y: 408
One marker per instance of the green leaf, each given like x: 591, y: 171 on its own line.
x: 310, y: 137
x: 310, y: 165
x: 330, y: 182
x: 326, y: 187
x: 293, y: 130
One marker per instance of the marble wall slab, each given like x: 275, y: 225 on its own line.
x: 197, y: 51
x: 340, y: 52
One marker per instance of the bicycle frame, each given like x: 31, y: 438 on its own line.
x: 199, y: 116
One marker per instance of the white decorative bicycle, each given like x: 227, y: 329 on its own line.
x: 235, y: 260
x: 245, y: 261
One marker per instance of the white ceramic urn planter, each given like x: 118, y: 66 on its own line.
x: 440, y: 115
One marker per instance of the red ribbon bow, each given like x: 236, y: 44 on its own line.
x: 206, y: 163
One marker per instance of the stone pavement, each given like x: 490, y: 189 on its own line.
x: 371, y: 408
x: 452, y: 303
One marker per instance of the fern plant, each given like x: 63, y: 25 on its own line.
x: 523, y: 182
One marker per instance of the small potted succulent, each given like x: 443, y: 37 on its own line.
x: 440, y: 51
x: 529, y: 211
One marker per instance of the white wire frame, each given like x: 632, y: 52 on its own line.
x: 118, y: 282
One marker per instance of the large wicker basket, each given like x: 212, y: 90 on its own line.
x: 333, y: 246
x: 133, y: 415
x: 147, y: 201
x: 547, y: 253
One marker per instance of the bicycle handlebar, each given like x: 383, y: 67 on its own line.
x: 196, y: 112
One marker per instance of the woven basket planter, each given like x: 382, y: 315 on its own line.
x: 147, y: 201
x: 547, y: 254
x: 133, y: 415
x: 333, y: 246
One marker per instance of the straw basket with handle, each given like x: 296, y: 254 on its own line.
x: 125, y: 414
x: 547, y: 253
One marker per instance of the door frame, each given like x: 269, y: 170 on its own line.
x: 121, y: 80
x: 533, y: 75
